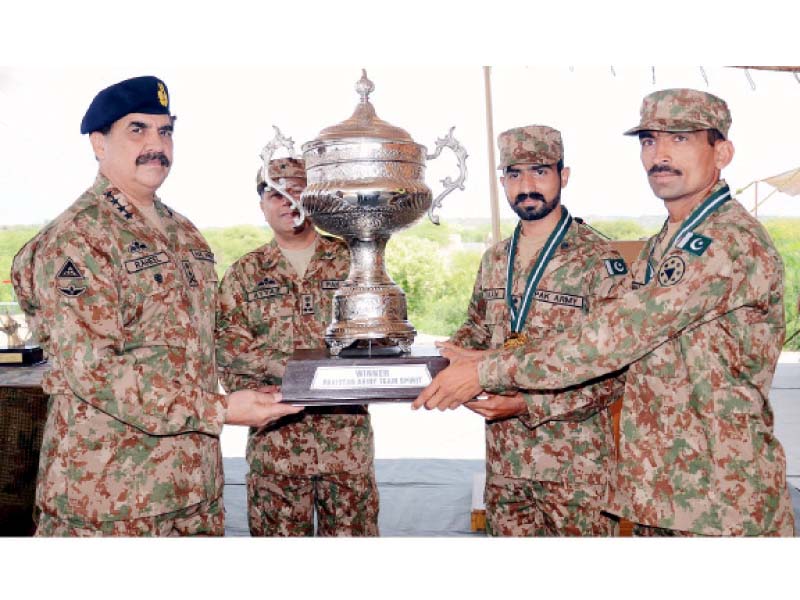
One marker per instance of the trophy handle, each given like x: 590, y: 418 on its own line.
x: 279, y: 141
x: 449, y: 185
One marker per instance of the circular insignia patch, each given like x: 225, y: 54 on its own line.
x: 671, y: 271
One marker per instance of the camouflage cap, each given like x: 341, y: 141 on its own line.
x: 280, y: 168
x: 683, y: 109
x: 533, y: 144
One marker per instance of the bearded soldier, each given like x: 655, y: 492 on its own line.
x: 545, y: 474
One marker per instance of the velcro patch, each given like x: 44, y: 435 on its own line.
x: 616, y: 266
x: 266, y: 293
x: 330, y: 284
x: 307, y: 304
x: 494, y: 294
x: 558, y: 298
x: 694, y: 243
x: 190, y: 277
x: 146, y: 262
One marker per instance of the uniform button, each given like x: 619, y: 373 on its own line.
x: 565, y: 246
x: 158, y: 277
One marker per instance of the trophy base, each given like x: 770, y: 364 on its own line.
x: 314, y: 378
x: 24, y: 356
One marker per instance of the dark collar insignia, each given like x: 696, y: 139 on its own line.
x: 137, y: 246
x: 267, y: 282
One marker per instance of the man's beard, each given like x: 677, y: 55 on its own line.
x: 537, y: 212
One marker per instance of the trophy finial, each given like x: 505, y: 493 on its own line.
x: 364, y: 86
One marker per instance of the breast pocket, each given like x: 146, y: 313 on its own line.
x: 154, y: 306
x: 547, y: 318
x: 272, y: 322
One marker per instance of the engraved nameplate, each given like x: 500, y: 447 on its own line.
x: 371, y: 377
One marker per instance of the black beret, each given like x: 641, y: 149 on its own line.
x: 147, y: 95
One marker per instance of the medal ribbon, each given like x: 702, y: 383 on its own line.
x: 699, y: 214
x: 546, y: 253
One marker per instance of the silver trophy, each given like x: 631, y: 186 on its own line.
x: 366, y: 182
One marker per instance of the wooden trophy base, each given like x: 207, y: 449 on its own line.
x: 23, y: 356
x: 314, y: 378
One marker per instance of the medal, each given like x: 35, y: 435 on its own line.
x: 515, y: 341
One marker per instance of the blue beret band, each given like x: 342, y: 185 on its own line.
x: 147, y: 95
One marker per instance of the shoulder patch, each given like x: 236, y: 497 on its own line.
x: 694, y: 243
x: 616, y: 266
x: 69, y: 271
x: 70, y: 281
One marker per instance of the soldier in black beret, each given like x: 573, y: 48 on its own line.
x: 121, y: 290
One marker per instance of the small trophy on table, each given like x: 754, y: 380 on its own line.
x: 16, y: 351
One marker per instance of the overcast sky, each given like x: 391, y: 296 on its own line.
x: 227, y: 100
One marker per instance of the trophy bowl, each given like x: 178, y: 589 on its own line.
x: 366, y: 182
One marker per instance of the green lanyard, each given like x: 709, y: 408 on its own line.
x: 549, y: 248
x: 699, y: 214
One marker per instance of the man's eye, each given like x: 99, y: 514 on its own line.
x: 166, y: 132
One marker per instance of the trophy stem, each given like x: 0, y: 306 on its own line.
x: 367, y: 265
x: 369, y: 306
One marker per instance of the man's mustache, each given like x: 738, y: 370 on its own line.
x: 147, y: 157
x: 663, y: 169
x: 532, y: 195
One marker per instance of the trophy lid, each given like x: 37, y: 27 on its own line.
x: 364, y: 123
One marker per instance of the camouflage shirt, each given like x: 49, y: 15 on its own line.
x: 567, y: 436
x: 265, y: 312
x: 701, y: 338
x: 126, y: 316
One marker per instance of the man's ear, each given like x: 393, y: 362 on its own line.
x: 723, y: 153
x: 564, y: 177
x: 98, y: 141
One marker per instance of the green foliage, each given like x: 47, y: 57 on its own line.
x: 11, y: 240
x: 623, y: 229
x: 438, y: 285
x: 785, y: 233
x: 231, y: 243
x: 438, y: 280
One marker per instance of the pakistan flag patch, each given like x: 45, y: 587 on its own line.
x: 694, y: 243
x: 615, y: 266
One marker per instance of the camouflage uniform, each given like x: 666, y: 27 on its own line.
x: 547, y: 473
x: 322, y: 456
x: 126, y: 316
x: 701, y: 335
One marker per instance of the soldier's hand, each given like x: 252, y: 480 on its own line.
x: 451, y: 387
x: 499, y: 407
x: 257, y: 409
x: 452, y: 352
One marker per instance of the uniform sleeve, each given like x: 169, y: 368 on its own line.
x: 474, y: 332
x: 242, y: 361
x: 623, y: 330
x: 141, y: 382
x: 581, y: 401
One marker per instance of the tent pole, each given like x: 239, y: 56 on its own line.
x: 493, y: 193
x: 755, y: 208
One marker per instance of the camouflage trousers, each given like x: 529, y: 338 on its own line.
x: 283, y: 505
x: 203, y: 519
x: 526, y: 508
